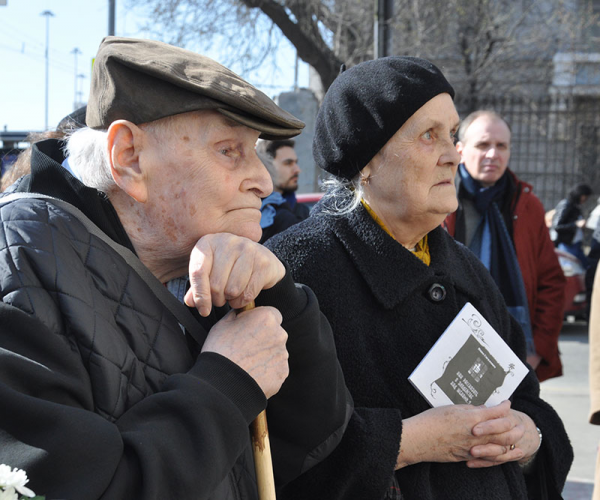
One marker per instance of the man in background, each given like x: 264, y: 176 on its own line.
x: 502, y: 222
x: 280, y: 210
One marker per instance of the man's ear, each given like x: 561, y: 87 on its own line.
x: 125, y: 142
x: 459, y: 147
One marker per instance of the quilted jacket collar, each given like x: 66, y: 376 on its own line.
x: 392, y: 272
x: 50, y: 178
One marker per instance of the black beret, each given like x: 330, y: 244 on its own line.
x: 366, y: 105
x: 145, y: 80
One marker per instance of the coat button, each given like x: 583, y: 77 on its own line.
x: 437, y: 292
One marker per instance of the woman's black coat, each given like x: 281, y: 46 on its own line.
x: 381, y: 302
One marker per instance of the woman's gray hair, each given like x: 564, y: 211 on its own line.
x: 342, y: 196
x: 87, y: 154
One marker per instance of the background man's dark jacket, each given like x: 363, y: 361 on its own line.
x: 104, y: 397
x: 285, y: 216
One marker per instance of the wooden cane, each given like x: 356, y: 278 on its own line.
x: 261, y: 447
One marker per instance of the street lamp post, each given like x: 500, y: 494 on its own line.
x: 48, y: 15
x: 111, y: 17
x: 80, y: 77
x: 75, y: 51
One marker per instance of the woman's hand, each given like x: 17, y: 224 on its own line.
x: 516, y: 429
x: 445, y: 434
x: 478, y: 435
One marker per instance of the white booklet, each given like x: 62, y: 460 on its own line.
x: 469, y: 364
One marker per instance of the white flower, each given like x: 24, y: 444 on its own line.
x: 8, y: 494
x: 11, y: 480
x: 5, y: 472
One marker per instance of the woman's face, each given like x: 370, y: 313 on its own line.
x: 411, y: 179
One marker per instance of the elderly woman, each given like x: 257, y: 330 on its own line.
x: 390, y: 280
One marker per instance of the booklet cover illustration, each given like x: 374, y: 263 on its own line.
x: 469, y: 364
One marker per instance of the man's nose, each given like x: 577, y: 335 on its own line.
x: 259, y: 179
x: 491, y: 152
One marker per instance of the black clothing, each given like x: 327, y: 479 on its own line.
x: 564, y: 221
x: 380, y: 300
x: 285, y: 216
x: 102, y: 397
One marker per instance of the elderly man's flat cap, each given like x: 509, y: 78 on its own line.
x: 366, y: 105
x: 145, y: 80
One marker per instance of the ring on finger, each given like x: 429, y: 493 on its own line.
x: 512, y: 447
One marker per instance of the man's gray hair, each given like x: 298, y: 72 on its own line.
x: 87, y: 154
x: 87, y: 151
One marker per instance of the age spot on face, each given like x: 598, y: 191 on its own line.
x: 170, y: 229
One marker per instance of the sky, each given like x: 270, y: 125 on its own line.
x: 81, y: 25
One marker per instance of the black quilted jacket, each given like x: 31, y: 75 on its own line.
x: 103, y: 396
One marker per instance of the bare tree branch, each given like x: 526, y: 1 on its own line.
x: 486, y: 44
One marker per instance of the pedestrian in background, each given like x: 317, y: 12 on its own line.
x: 502, y: 221
x: 280, y: 209
x: 568, y: 222
x: 22, y: 166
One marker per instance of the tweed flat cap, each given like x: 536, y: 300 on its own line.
x: 366, y: 105
x: 145, y: 80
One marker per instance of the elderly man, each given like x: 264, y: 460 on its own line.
x: 104, y: 393
x: 280, y: 210
x: 502, y: 221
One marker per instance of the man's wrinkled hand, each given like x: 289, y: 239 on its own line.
x: 255, y: 341
x: 227, y: 268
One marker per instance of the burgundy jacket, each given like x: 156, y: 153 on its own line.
x: 542, y: 274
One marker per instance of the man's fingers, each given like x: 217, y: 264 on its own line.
x: 199, y: 294
x: 226, y: 268
x: 236, y: 289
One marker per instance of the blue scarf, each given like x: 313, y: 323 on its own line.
x: 268, y: 210
x: 493, y: 245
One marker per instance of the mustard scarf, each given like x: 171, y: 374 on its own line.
x: 421, y: 250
